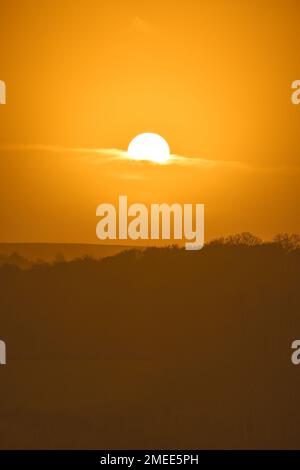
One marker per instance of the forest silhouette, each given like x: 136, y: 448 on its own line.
x: 153, y: 348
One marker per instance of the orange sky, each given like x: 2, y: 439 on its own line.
x: 212, y: 77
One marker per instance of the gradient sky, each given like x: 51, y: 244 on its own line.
x: 212, y: 77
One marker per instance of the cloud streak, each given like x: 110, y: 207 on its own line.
x: 104, y: 155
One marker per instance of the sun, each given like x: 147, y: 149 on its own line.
x: 150, y: 147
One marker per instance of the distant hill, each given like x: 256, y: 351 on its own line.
x: 50, y: 251
x: 158, y: 349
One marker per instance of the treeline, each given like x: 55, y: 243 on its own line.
x: 155, y: 348
x: 288, y: 242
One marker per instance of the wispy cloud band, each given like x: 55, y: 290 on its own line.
x: 115, y: 154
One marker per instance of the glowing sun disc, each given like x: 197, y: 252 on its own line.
x: 150, y: 147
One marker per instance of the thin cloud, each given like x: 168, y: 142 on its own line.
x: 140, y: 25
x: 109, y: 154
x: 102, y: 156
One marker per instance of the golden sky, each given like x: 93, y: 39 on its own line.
x: 212, y: 77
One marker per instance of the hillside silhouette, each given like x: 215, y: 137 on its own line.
x: 49, y: 252
x: 154, y: 348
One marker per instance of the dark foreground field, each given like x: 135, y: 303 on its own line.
x: 157, y: 349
